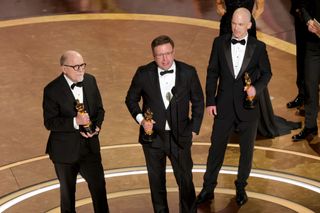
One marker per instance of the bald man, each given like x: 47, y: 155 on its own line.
x: 231, y: 57
x: 73, y: 148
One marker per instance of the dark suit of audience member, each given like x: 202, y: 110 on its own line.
x: 310, y: 10
x: 167, y: 87
x: 71, y: 150
x: 225, y: 96
x: 301, y: 31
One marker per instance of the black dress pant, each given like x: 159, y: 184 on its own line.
x: 222, y: 129
x: 300, y: 34
x: 182, y: 164
x: 312, y: 80
x: 90, y: 167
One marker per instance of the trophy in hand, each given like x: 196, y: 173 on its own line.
x: 148, y: 115
x: 88, y: 128
x: 249, y: 102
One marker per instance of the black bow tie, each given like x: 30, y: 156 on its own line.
x: 165, y: 72
x: 78, y: 84
x: 234, y: 41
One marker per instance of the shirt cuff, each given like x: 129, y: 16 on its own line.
x: 139, y: 118
x: 75, y: 125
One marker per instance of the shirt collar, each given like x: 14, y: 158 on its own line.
x: 173, y: 67
x: 68, y: 80
x: 245, y: 38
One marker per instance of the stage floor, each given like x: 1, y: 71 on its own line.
x: 114, y: 38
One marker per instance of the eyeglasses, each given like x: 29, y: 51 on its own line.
x: 163, y: 54
x: 77, y: 66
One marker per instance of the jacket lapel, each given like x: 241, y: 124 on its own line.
x: 66, y: 94
x: 247, y: 56
x: 154, y: 79
x: 66, y: 89
x: 228, y: 55
x: 177, y: 83
x: 87, y: 99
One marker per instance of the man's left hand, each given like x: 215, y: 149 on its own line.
x: 194, y: 134
x: 88, y: 135
x: 251, y: 91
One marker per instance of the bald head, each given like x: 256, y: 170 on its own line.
x: 241, y: 22
x: 69, y: 55
x: 72, y: 65
x: 244, y: 13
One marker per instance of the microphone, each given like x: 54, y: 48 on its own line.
x: 174, y: 93
x: 168, y: 96
x: 176, y: 104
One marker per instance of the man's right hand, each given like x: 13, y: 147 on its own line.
x: 88, y: 135
x: 147, y: 125
x: 82, y: 118
x: 212, y: 110
x: 313, y: 27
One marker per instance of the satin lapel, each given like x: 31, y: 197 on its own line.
x: 87, y: 99
x: 154, y: 79
x: 247, y: 56
x: 66, y: 90
x: 177, y: 83
x: 228, y: 55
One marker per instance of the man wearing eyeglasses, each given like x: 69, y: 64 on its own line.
x: 71, y: 148
x: 167, y: 87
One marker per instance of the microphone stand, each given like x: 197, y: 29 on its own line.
x: 174, y: 93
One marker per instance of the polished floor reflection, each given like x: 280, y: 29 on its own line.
x: 114, y: 37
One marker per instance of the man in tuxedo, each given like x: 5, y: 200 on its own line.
x: 73, y: 148
x: 310, y: 12
x: 232, y: 56
x: 167, y: 87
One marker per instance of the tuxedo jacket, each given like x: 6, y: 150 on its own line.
x: 145, y: 84
x: 59, y: 110
x: 227, y: 92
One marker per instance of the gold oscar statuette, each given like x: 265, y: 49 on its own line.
x: 249, y: 102
x: 148, y: 115
x: 80, y: 108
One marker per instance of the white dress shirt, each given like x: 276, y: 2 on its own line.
x: 167, y: 82
x: 237, y: 51
x: 78, y: 94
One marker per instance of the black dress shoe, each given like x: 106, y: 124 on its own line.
x: 297, y: 102
x: 241, y: 196
x: 301, y: 111
x: 204, y: 196
x: 306, y: 133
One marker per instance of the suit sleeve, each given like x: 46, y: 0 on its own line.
x: 265, y: 71
x: 134, y: 95
x: 197, y: 102
x: 306, y: 16
x: 212, y: 75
